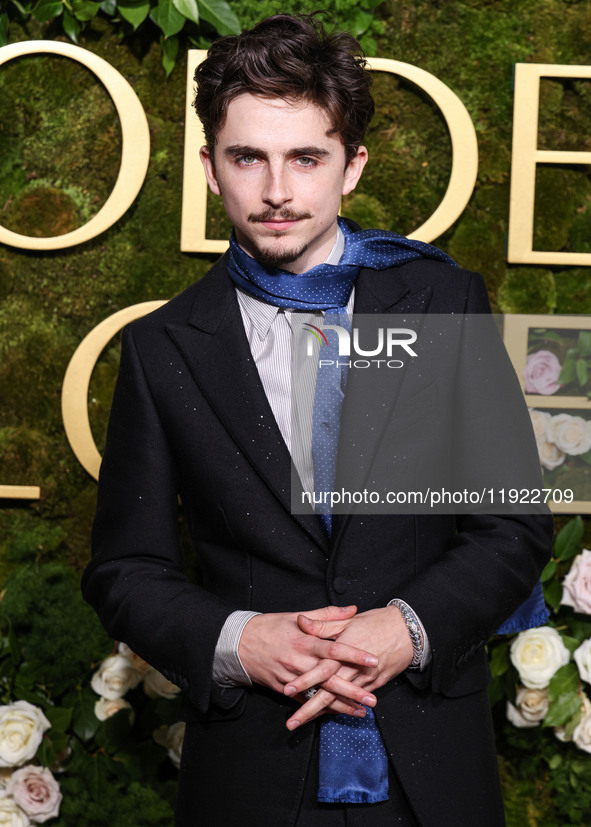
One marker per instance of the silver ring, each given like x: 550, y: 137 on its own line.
x: 309, y: 693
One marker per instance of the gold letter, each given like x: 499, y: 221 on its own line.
x: 20, y: 492
x: 135, y: 152
x: 525, y: 158
x: 463, y: 144
x: 459, y: 190
x: 77, y: 380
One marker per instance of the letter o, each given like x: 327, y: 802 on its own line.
x: 135, y: 151
x: 77, y: 381
x: 464, y: 145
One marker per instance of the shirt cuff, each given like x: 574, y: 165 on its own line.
x: 227, y: 666
x: 425, y: 654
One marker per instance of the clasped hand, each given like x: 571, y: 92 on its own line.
x: 346, y: 654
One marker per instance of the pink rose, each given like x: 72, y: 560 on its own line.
x: 36, y: 792
x: 576, y: 586
x: 541, y: 373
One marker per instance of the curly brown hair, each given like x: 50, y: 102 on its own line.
x: 289, y: 57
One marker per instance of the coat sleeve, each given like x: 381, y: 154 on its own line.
x: 494, y: 560
x: 135, y: 579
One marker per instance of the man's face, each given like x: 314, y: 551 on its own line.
x: 281, y: 177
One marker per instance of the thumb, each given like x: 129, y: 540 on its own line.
x: 321, y: 628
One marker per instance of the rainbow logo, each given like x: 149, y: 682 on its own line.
x: 316, y: 331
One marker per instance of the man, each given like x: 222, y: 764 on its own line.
x: 291, y: 635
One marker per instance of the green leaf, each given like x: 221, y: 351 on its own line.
x: 555, y: 761
x: 571, y: 643
x: 362, y: 22
x: 170, y: 50
x: 47, y: 9
x: 84, y: 10
x: 582, y: 372
x: 568, y: 373
x: 46, y: 754
x: 569, y: 539
x: 584, y: 343
x: 24, y: 8
x: 220, y: 15
x: 549, y: 570
x: 553, y: 593
x: 563, y: 696
x: 109, y: 7
x: 188, y: 8
x: 134, y: 11
x: 499, y: 660
x: 59, y: 718
x: 586, y: 457
x: 565, y: 681
x: 84, y: 721
x: 72, y: 27
x: 167, y: 18
x: 4, y: 23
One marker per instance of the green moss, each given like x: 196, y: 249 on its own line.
x: 552, y: 225
x: 365, y: 210
x: 478, y: 242
x: 527, y: 290
x: 573, y: 291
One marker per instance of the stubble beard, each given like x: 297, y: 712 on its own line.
x: 271, y: 256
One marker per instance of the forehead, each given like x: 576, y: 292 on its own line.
x: 276, y: 124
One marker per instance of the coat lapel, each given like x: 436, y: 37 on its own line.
x: 369, y: 404
x: 216, y: 350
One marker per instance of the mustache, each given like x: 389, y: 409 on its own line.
x: 272, y: 215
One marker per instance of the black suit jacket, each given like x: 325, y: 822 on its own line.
x: 190, y: 417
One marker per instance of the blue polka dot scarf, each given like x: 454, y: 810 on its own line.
x: 327, y: 286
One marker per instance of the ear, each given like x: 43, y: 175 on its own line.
x: 354, y: 170
x: 209, y: 168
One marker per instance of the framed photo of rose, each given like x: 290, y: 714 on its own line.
x: 552, y: 358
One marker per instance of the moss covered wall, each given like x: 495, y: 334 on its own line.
x: 59, y: 156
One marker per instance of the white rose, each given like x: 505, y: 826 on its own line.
x: 21, y: 731
x: 550, y: 455
x: 582, y: 658
x: 157, y: 686
x: 582, y: 733
x: 105, y: 708
x: 530, y: 707
x: 517, y: 719
x: 540, y: 421
x: 114, y: 677
x: 139, y: 664
x: 532, y: 703
x: 36, y: 791
x: 538, y: 654
x: 172, y: 738
x: 11, y: 814
x: 571, y: 434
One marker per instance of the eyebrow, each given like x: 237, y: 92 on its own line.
x: 236, y: 150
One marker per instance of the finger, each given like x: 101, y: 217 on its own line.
x: 318, y: 704
x: 338, y: 707
x: 334, y: 684
x: 345, y: 653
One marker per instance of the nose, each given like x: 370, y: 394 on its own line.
x: 276, y: 190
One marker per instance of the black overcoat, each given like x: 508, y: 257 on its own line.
x: 190, y: 417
